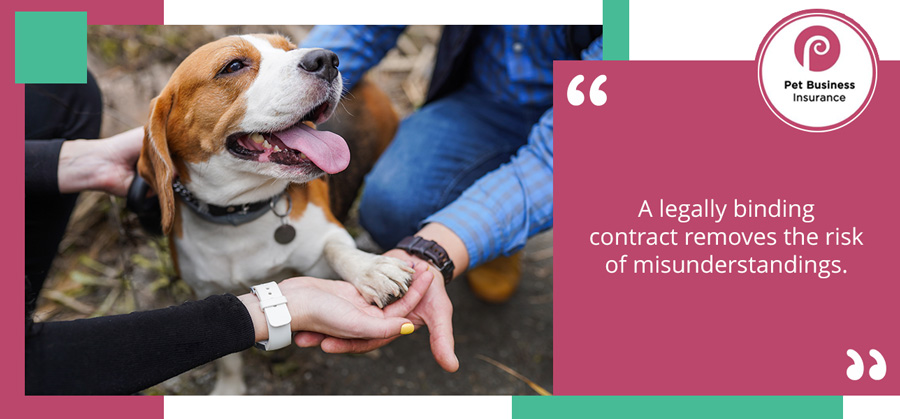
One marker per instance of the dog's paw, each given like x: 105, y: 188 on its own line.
x: 384, y: 281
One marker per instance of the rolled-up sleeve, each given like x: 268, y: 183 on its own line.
x: 496, y: 215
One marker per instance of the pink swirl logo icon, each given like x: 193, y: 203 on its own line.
x: 817, y: 48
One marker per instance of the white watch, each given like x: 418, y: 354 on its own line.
x: 278, y: 317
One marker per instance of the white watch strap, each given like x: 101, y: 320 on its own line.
x: 278, y: 317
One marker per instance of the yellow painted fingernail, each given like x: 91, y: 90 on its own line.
x: 407, y: 328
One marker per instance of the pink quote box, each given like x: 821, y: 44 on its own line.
x: 695, y: 131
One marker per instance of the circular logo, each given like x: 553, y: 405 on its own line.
x: 817, y: 48
x: 817, y: 70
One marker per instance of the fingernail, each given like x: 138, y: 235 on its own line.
x: 407, y: 328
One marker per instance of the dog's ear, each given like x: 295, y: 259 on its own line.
x: 155, y: 164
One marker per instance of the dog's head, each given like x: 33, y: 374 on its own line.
x: 236, y: 120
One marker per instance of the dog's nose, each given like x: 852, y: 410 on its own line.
x: 321, y: 62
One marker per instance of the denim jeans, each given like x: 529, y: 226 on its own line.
x: 438, y: 152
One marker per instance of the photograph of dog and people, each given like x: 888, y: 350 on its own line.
x: 296, y: 210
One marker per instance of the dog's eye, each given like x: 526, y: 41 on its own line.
x: 233, y: 66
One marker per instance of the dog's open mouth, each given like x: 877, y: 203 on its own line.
x: 297, y: 145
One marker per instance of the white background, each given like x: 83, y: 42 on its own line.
x: 382, y: 12
x: 330, y: 407
x: 660, y: 29
x: 691, y: 30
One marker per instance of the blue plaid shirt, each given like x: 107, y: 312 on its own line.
x: 498, y: 213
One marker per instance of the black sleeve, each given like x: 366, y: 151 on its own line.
x: 127, y: 353
x: 41, y: 165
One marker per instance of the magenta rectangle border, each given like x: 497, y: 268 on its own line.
x: 12, y: 168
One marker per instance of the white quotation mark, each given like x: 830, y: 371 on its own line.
x: 856, y: 371
x: 576, y: 98
x: 879, y: 370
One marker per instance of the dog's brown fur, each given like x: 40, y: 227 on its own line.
x: 367, y: 120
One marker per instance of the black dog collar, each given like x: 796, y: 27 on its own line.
x: 232, y: 215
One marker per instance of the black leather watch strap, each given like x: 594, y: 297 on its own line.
x: 430, y: 251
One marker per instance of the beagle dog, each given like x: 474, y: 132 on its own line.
x: 232, y: 150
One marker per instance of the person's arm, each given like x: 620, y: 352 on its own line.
x: 358, y: 47
x: 127, y: 353
x: 61, y: 167
x: 41, y: 163
x: 499, y: 212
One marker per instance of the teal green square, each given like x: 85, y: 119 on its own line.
x: 51, y: 47
x: 616, y: 30
x: 678, y: 407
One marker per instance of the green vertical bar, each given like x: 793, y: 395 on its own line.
x: 615, y: 30
x: 51, y: 47
x: 673, y: 407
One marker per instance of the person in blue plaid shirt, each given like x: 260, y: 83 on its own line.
x: 472, y: 169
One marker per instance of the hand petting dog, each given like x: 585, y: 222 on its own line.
x: 105, y: 165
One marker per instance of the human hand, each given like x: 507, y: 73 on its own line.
x: 103, y: 165
x: 432, y: 309
x: 335, y: 308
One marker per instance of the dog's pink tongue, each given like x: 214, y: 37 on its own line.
x: 326, y: 149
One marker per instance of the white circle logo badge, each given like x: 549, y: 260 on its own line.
x: 817, y: 70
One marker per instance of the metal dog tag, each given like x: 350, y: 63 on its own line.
x: 285, y: 233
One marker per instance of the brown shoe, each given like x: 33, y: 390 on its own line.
x: 496, y: 281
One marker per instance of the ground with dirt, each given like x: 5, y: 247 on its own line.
x: 109, y: 266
